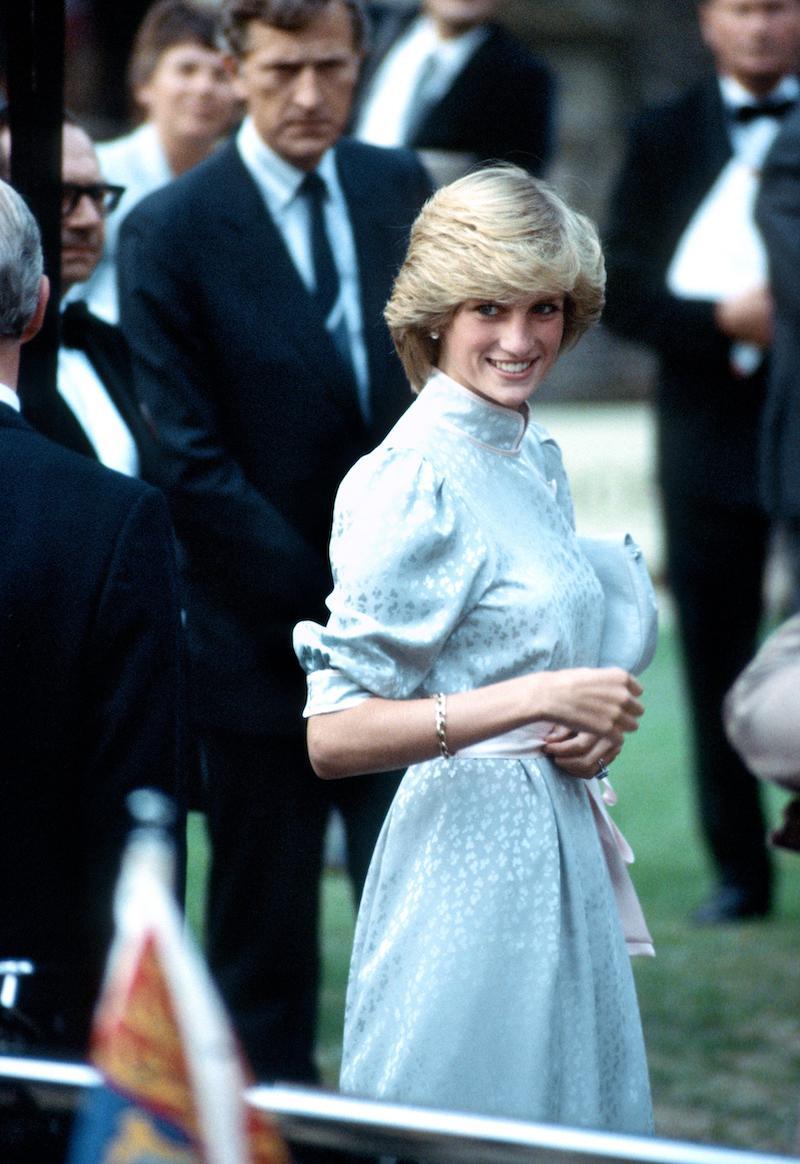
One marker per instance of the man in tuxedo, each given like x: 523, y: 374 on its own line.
x: 91, y: 409
x: 778, y: 216
x: 445, y: 78
x: 252, y: 291
x: 89, y: 686
x: 680, y: 216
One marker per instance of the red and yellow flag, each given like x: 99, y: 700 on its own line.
x: 173, y: 1074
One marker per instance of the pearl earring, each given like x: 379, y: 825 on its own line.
x: 434, y: 335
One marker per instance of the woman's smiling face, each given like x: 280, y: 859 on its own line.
x: 502, y: 352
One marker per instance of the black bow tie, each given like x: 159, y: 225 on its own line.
x: 747, y: 113
x: 75, y: 325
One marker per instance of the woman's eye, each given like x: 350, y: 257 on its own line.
x: 488, y: 309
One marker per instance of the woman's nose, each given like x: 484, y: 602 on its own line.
x: 517, y: 335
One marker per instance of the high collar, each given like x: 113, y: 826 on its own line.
x: 483, y: 421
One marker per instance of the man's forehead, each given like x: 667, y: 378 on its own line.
x: 748, y: 7
x: 302, y: 53
x: 78, y: 158
x: 321, y: 39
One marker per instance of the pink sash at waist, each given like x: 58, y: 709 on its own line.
x: 528, y: 741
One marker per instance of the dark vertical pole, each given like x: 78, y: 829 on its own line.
x: 35, y: 30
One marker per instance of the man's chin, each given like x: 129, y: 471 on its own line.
x: 74, y: 274
x: 305, y: 150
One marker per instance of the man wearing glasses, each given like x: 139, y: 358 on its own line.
x: 93, y: 411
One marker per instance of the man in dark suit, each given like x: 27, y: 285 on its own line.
x: 252, y: 291
x: 445, y: 78
x: 680, y: 214
x: 778, y: 216
x: 91, y: 408
x: 89, y: 685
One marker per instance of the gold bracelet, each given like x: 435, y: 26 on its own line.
x: 441, y: 725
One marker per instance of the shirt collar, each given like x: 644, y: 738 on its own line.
x: 276, y: 178
x: 454, y: 47
x: 152, y: 157
x: 9, y: 396
x: 483, y: 421
x: 735, y: 95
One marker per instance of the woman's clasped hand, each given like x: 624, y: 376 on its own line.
x: 610, y: 696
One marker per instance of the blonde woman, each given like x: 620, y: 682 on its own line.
x: 489, y: 970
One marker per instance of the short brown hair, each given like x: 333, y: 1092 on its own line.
x: 169, y: 23
x: 289, y: 15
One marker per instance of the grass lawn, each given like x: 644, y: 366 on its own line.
x: 720, y: 1006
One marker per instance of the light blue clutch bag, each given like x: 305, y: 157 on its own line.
x: 630, y: 629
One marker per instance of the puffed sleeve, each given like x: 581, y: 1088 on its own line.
x: 408, y: 559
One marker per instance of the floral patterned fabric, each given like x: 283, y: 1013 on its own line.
x: 489, y: 971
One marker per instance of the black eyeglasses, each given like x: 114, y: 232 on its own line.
x: 104, y: 197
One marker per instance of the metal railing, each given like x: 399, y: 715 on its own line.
x: 366, y: 1127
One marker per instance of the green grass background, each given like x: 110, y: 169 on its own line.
x: 720, y: 1006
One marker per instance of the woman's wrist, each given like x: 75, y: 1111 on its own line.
x: 477, y: 715
x: 440, y: 725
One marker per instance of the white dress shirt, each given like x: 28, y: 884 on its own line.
x: 420, y: 67
x: 279, y: 183
x: 9, y: 396
x: 86, y: 396
x: 721, y: 252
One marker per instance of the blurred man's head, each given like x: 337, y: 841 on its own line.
x: 754, y: 41
x: 85, y: 201
x: 453, y: 17
x: 296, y: 64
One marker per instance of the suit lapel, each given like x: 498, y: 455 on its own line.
x: 107, y: 352
x: 10, y: 418
x: 380, y: 245
x: 281, y: 300
x: 713, y: 148
x: 476, y: 75
x: 49, y: 413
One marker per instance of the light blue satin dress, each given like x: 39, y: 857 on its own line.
x: 489, y: 972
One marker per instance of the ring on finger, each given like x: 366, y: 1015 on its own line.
x: 602, y: 770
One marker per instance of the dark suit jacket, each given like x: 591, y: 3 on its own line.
x: 89, y: 695
x: 500, y: 107
x: 778, y: 215
x: 108, y: 354
x: 258, y: 423
x: 708, y: 418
